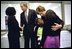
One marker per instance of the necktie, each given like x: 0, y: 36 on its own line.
x: 26, y: 16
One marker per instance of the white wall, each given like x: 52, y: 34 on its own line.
x: 67, y: 14
x: 3, y: 8
x: 54, y: 6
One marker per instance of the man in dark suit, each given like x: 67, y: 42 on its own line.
x: 28, y: 17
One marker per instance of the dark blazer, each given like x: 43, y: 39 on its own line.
x: 13, y: 32
x: 47, y: 31
x: 13, y: 27
x: 28, y: 29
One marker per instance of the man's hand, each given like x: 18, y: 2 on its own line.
x: 56, y: 26
x: 21, y: 28
x: 41, y: 47
x: 21, y: 31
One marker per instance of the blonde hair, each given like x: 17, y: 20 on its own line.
x: 40, y: 9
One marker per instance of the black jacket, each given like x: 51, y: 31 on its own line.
x: 13, y: 27
x: 29, y: 27
x: 47, y: 31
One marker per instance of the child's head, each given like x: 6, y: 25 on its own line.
x: 39, y: 21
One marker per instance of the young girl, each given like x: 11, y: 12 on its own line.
x: 39, y: 31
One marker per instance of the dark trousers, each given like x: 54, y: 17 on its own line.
x: 27, y: 38
x: 14, y: 42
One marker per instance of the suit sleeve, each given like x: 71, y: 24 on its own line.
x: 34, y: 18
x: 59, y: 21
x: 21, y: 21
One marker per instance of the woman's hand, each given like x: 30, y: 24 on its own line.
x: 56, y: 26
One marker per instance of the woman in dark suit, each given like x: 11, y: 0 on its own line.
x: 13, y: 28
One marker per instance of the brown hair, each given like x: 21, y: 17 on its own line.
x: 39, y: 21
x: 50, y: 13
x: 40, y: 9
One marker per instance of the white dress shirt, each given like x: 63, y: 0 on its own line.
x: 26, y: 14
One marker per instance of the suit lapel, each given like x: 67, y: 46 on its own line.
x: 29, y: 15
x: 24, y: 16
